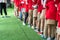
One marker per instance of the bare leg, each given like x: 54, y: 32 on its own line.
x: 45, y: 29
x: 49, y: 30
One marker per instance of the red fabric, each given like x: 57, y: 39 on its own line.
x: 19, y: 6
x: 51, y: 10
x: 58, y: 11
x: 40, y: 6
x: 30, y: 4
x: 34, y: 2
x: 58, y: 24
x: 57, y: 1
x: 48, y: 1
x: 58, y: 15
x: 22, y: 4
x: 26, y: 6
x: 16, y: 3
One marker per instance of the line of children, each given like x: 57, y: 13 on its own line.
x: 41, y: 15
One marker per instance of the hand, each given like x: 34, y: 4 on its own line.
x: 22, y: 2
x: 55, y: 5
x: 34, y: 6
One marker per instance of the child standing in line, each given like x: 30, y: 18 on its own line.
x: 30, y: 13
x: 21, y: 9
x: 51, y: 18
x: 40, y: 7
x: 34, y: 13
x: 42, y: 18
x: 25, y: 13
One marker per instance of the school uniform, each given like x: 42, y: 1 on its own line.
x: 42, y: 17
x: 16, y: 2
x: 30, y: 4
x: 30, y: 12
x: 22, y: 5
x: 19, y: 6
x: 34, y: 8
x: 40, y: 7
x: 30, y: 8
x: 16, y: 7
x: 51, y: 12
x: 20, y: 9
x: 25, y: 11
x: 26, y: 7
x: 34, y: 4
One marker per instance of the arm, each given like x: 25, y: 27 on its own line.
x: 43, y: 3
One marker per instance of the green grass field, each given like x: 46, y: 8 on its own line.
x: 12, y: 29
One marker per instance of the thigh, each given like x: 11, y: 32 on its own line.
x: 42, y: 16
x: 38, y: 17
x: 35, y: 13
x: 30, y: 12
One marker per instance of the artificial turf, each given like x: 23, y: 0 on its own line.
x: 12, y: 29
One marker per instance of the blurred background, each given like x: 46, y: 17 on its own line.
x: 10, y: 4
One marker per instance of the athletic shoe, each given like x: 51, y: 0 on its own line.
x: 32, y: 27
x: 2, y: 16
x: 42, y: 35
x: 29, y: 25
x: 23, y: 23
x: 48, y: 38
x: 36, y: 30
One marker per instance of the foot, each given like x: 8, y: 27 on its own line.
x: 48, y: 38
x: 45, y: 37
x: 23, y: 23
x: 32, y: 27
x: 2, y: 16
x: 6, y: 16
x: 42, y: 35
x: 29, y: 25
x: 36, y: 30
